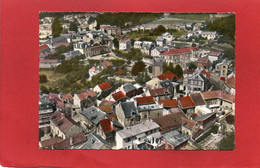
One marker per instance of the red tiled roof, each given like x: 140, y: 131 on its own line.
x: 186, y: 102
x: 158, y: 91
x: 145, y: 100
x: 118, y: 95
x: 167, y: 75
x: 67, y: 96
x: 194, y: 115
x: 60, y: 121
x: 49, y: 142
x: 106, y: 108
x: 44, y: 46
x: 106, y: 102
x: 189, y: 71
x: 214, y: 53
x: 231, y: 81
x: 106, y: 125
x: 228, y: 97
x: 105, y: 86
x: 212, y: 94
x: 78, y: 138
x: 84, y: 95
x: 98, y: 48
x: 188, y: 123
x: 169, y: 103
x: 179, y: 51
x: 207, y: 74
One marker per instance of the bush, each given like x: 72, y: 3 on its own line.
x: 138, y: 67
x: 230, y: 119
x: 43, y: 78
x: 228, y: 143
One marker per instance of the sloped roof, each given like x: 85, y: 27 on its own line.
x: 105, y: 86
x: 188, y: 123
x: 145, y: 100
x: 93, y: 114
x: 106, y: 64
x: 211, y: 94
x: 188, y: 71
x: 129, y: 109
x: 169, y: 103
x: 179, y: 51
x: 78, y: 138
x: 186, y: 102
x: 118, y: 95
x: 230, y: 81
x: 204, y: 72
x: 67, y: 96
x: 197, y: 99
x: 42, y: 47
x: 128, y: 87
x: 167, y: 75
x: 106, y: 125
x: 84, y: 95
x: 106, y: 108
x: 59, y: 119
x: 158, y: 91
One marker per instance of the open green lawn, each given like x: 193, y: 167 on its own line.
x: 52, y: 77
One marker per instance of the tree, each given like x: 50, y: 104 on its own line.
x: 150, y: 68
x: 230, y: 119
x: 228, y: 143
x: 146, y: 77
x: 43, y: 78
x: 73, y: 27
x: 165, y: 67
x: 159, y: 30
x: 192, y: 66
x: 116, y: 43
x: 138, y: 67
x: 56, y: 27
x: 178, y: 71
x: 170, y: 67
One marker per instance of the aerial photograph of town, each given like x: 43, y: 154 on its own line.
x: 136, y: 81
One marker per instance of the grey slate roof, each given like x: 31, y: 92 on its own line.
x: 203, y: 117
x: 174, y: 138
x: 129, y: 109
x: 167, y: 84
x: 128, y: 87
x: 93, y: 114
x: 93, y: 141
x: 60, y: 39
x: 44, y: 103
x: 73, y: 53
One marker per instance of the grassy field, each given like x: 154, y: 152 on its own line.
x: 52, y: 77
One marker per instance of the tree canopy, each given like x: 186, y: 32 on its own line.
x: 159, y: 30
x: 178, y: 71
x: 138, y: 67
x: 192, y: 66
x: 56, y: 27
x: 73, y: 27
x: 228, y: 143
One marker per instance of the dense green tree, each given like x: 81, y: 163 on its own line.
x: 159, y: 30
x: 138, y: 67
x: 73, y: 27
x: 171, y: 67
x: 178, y: 71
x: 43, y: 78
x: 192, y: 66
x: 230, y: 119
x: 228, y: 143
x: 63, y: 49
x: 67, y: 66
x: 56, y: 27
x: 165, y: 67
x: 146, y: 76
x: 116, y: 43
x: 150, y: 68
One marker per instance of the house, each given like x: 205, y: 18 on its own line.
x: 168, y: 75
x: 188, y: 73
x: 124, y: 44
x: 72, y: 54
x: 49, y: 143
x: 119, y: 96
x: 93, y: 71
x: 157, y: 67
x: 189, y: 128
x: 214, y: 56
x: 197, y: 99
x: 203, y: 62
x: 94, y: 142
x: 89, y: 118
x: 109, y: 110
x: 145, y: 135
x: 160, y: 93
x: 210, y: 35
x: 85, y: 99
x: 127, y: 113
x: 148, y: 108
x: 197, y: 82
x: 139, y: 89
x: 102, y: 87
x: 45, y: 51
x: 174, y: 140
x: 49, y: 63
x: 206, y: 121
x: 155, y: 52
x: 96, y: 50
x: 205, y: 73
x: 170, y: 121
x: 57, y: 41
x: 147, y: 46
x: 170, y: 103
x: 230, y: 83
x: 138, y: 44
x: 69, y: 143
x: 174, y: 55
x: 186, y: 104
x: 80, y: 46
x: 170, y: 86
x: 106, y: 130
x: 153, y: 83
x: 130, y: 90
x: 221, y: 69
x: 168, y: 37
x: 111, y: 29
x: 46, y: 109
x: 62, y: 127
x: 67, y: 98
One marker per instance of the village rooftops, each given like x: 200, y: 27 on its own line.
x: 59, y: 119
x: 145, y: 100
x: 169, y: 103
x: 149, y: 107
x: 204, y: 72
x: 230, y: 81
x: 186, y: 102
x: 106, y: 64
x: 98, y: 48
x: 197, y: 99
x: 179, y: 51
x: 214, y: 53
x: 93, y: 114
x: 188, y: 71
x: 158, y: 91
x: 169, y: 121
x: 86, y: 94
x: 137, y: 129
x: 188, y: 123
x: 204, y: 117
x: 129, y: 109
x: 67, y: 96
x: 73, y: 140
x: 174, y: 138
x: 42, y: 47
x: 167, y: 75
x: 128, y: 87
x: 218, y: 94
x: 93, y: 141
x: 118, y: 95
x: 105, y: 86
x: 106, y: 108
x: 106, y: 125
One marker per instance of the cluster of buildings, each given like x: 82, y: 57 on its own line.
x: 167, y: 112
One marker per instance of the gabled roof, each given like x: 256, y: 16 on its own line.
x: 145, y: 100
x: 188, y: 71
x: 106, y: 108
x: 203, y: 60
x: 118, y: 95
x: 169, y: 103
x: 105, y: 86
x: 179, y: 51
x: 93, y: 114
x: 204, y: 72
x: 186, y: 102
x: 98, y: 48
x: 106, y: 125
x: 197, y: 99
x: 212, y: 94
x: 188, y: 123
x: 167, y: 75
x: 169, y: 121
x: 158, y: 91
x: 49, y: 142
x: 128, y: 87
x: 230, y: 81
x: 67, y: 96
x: 129, y: 109
x: 42, y: 47
x: 204, y: 117
x: 86, y: 94
x: 214, y: 53
x: 73, y: 140
x: 59, y: 119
